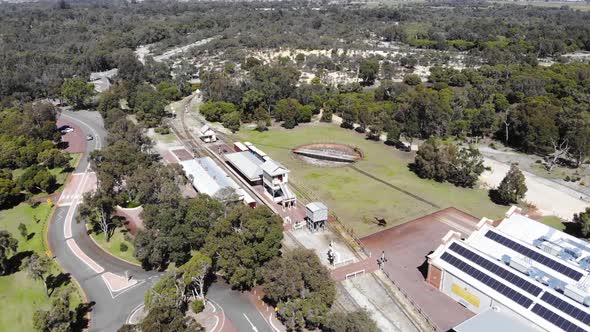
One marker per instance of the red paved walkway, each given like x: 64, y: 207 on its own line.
x: 182, y: 154
x: 134, y: 222
x: 368, y: 265
x: 75, y: 141
x: 406, y: 247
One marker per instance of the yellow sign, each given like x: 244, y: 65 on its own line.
x: 465, y: 294
x: 49, y: 253
x: 49, y: 201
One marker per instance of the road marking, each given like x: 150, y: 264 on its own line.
x: 98, y: 140
x: 109, y: 277
x: 222, y: 314
x: 216, y: 318
x: 212, y: 306
x: 271, y: 324
x: 83, y: 257
x: 133, y: 313
x: 126, y: 290
x: 72, y: 209
x: 269, y: 319
x: 248, y: 319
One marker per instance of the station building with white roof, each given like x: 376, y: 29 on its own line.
x: 533, y: 274
x: 208, y: 178
x: 258, y: 168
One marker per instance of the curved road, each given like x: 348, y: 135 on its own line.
x: 111, y: 308
x: 73, y: 249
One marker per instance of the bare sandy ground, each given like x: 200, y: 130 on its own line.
x: 549, y: 197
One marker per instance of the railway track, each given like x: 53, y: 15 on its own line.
x: 199, y: 149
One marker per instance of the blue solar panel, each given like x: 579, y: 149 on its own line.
x: 567, y: 308
x: 556, y: 319
x: 551, y: 263
x: 487, y: 280
x: 495, y: 269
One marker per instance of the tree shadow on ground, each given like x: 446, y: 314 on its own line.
x: 56, y: 281
x: 495, y: 197
x: 15, y: 262
x: 30, y: 236
x: 80, y: 316
x: 14, y: 201
x: 572, y: 228
x: 63, y: 145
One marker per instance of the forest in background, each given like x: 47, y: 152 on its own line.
x: 41, y: 44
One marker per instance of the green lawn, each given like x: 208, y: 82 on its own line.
x: 357, y: 199
x: 554, y: 222
x: 20, y: 295
x: 168, y: 138
x: 114, y: 245
x: 61, y: 173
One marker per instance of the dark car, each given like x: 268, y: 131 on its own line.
x: 402, y: 146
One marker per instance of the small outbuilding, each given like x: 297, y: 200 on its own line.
x: 207, y: 135
x: 316, y: 215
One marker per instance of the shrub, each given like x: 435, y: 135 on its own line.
x: 412, y: 79
x: 162, y: 130
x: 123, y: 247
x: 567, y: 178
x: 197, y: 306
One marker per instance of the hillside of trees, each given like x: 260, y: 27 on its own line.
x: 44, y: 43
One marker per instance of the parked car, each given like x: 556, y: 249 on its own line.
x: 65, y: 129
x: 402, y: 146
x: 89, y: 138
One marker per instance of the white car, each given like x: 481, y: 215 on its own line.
x: 66, y: 129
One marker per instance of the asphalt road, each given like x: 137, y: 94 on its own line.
x: 238, y: 308
x: 112, y: 309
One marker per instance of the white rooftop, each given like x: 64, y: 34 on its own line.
x: 273, y: 168
x: 316, y: 206
x: 494, y: 321
x: 206, y: 131
x: 208, y: 178
x: 514, y: 239
x: 247, y: 163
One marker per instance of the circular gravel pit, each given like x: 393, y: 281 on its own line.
x: 328, y: 154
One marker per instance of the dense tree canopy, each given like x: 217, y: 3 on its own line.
x: 443, y: 161
x: 301, y: 287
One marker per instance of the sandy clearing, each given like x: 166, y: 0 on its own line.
x: 549, y: 197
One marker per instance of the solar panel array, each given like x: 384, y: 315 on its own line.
x: 497, y: 270
x: 556, y: 319
x: 567, y: 308
x: 551, y: 263
x: 487, y: 280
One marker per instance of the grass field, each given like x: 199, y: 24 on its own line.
x: 356, y: 198
x: 114, y: 245
x: 554, y: 222
x: 60, y: 173
x: 20, y: 295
